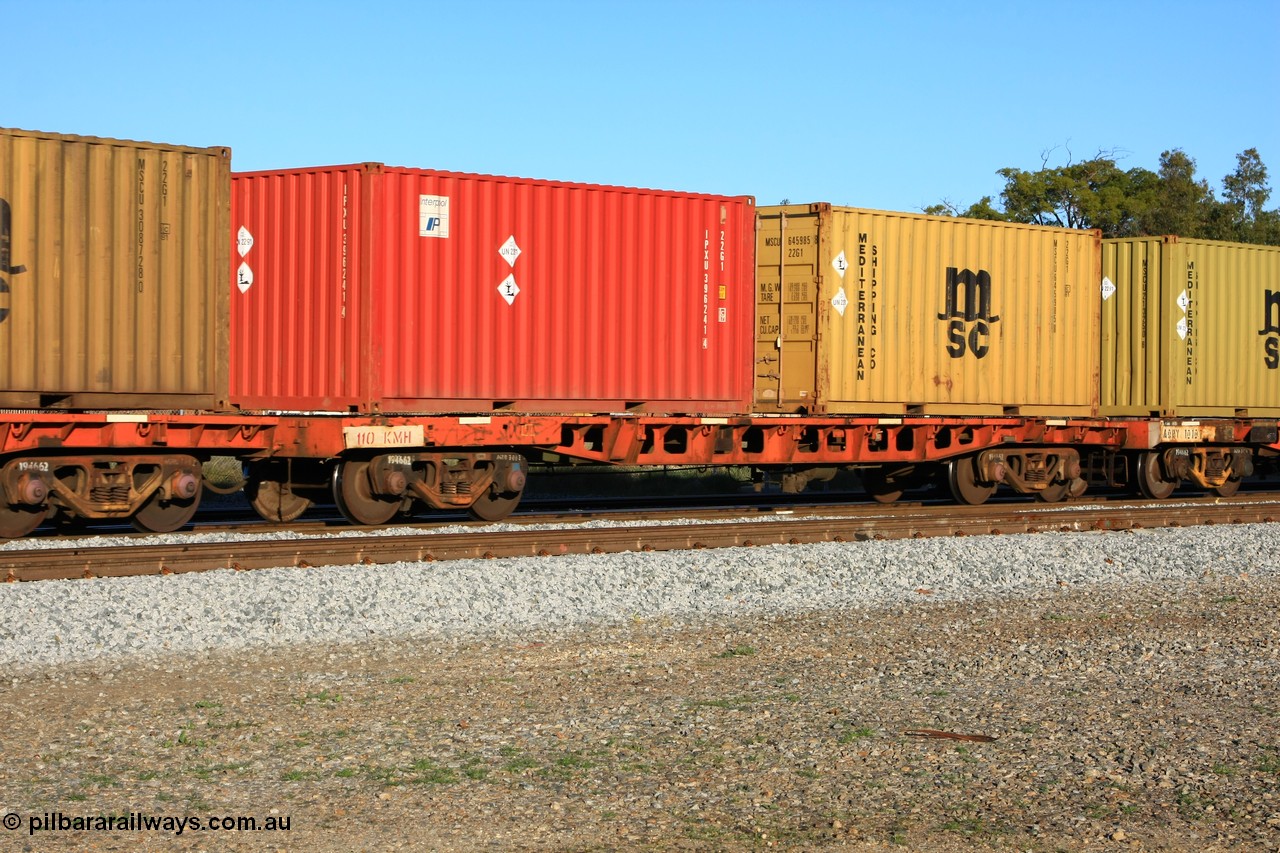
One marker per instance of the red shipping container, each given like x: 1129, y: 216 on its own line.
x: 375, y: 288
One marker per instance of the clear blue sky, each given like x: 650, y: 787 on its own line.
x: 892, y: 105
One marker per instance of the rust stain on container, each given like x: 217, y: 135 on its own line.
x: 377, y: 288
x: 863, y: 311
x: 113, y: 270
x: 1178, y: 316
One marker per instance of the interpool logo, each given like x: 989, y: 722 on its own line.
x: 5, y: 267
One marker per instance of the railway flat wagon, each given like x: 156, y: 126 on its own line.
x: 864, y: 311
x: 113, y: 269
x: 376, y: 289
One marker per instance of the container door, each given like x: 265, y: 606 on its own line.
x: 786, y: 312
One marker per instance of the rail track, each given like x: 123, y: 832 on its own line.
x: 715, y: 529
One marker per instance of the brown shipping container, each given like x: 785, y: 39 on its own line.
x: 864, y: 311
x: 1190, y: 328
x: 113, y: 271
x: 376, y: 288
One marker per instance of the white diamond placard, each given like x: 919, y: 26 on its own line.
x: 1108, y: 288
x: 840, y: 302
x: 509, y: 289
x: 840, y: 264
x: 1184, y: 300
x: 509, y: 250
x: 244, y: 241
x: 244, y: 277
x: 1182, y: 328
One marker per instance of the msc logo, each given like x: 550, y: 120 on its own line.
x: 968, y: 327
x: 5, y: 268
x: 1271, y: 329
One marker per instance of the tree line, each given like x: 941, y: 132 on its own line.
x: 1096, y: 193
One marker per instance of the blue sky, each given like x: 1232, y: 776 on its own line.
x: 871, y: 104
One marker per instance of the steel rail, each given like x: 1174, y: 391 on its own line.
x: 878, y: 522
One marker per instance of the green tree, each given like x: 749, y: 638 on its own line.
x: 1097, y: 193
x: 1179, y: 203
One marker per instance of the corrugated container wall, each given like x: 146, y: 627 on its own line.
x: 113, y: 271
x: 863, y: 311
x: 377, y: 288
x: 1179, y: 316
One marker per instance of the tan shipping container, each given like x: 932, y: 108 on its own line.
x: 114, y: 263
x: 1190, y: 328
x: 872, y: 312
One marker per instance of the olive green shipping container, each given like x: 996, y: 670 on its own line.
x: 864, y: 311
x: 114, y: 273
x: 1190, y: 328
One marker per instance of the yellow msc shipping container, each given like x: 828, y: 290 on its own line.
x: 865, y: 311
x: 1191, y: 328
x: 114, y: 273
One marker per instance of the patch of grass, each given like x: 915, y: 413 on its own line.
x: 209, y: 704
x: 1227, y: 599
x: 520, y: 764
x: 1190, y: 806
x: 738, y: 703
x: 1270, y: 761
x: 1055, y: 617
x: 1224, y: 770
x: 101, y: 780
x: 575, y: 761
x: 851, y: 735
x: 345, y: 773
x: 402, y: 679
x: 323, y: 696
x: 187, y: 739
x: 737, y: 652
x: 207, y: 773
x: 430, y: 773
x: 298, y: 776
x: 380, y: 773
x: 968, y: 826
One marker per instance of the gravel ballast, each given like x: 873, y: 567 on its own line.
x: 72, y: 621
x: 1120, y: 690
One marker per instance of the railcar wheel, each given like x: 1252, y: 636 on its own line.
x: 272, y: 502
x: 355, y: 497
x: 882, y: 484
x: 1054, y: 493
x: 18, y: 520
x: 1151, y: 482
x: 1227, y: 489
x: 158, y: 515
x: 962, y: 476
x: 490, y: 507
